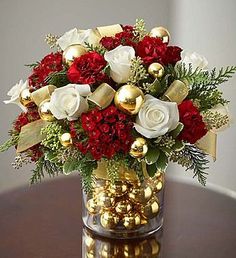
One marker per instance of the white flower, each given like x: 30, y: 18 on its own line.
x: 156, y: 117
x: 69, y: 102
x: 76, y: 36
x: 15, y: 93
x: 195, y: 59
x: 119, y: 60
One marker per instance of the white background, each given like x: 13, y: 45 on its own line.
x: 207, y: 27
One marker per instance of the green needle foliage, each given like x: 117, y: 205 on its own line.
x: 9, y: 143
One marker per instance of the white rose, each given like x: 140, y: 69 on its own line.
x: 119, y: 60
x: 195, y: 59
x: 69, y: 102
x: 76, y: 36
x: 15, y: 93
x: 156, y: 117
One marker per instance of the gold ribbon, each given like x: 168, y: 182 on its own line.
x: 43, y: 93
x: 102, y: 96
x: 177, y: 91
x: 30, y: 135
x: 208, y: 144
x: 109, y: 31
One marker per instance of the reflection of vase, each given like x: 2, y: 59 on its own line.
x: 97, y: 247
x: 127, y: 208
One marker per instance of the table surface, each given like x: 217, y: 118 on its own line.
x: 44, y: 221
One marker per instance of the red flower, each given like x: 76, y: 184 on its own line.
x: 87, y: 69
x: 107, y: 135
x: 25, y: 118
x: 49, y: 64
x: 125, y: 38
x: 154, y: 50
x: 194, y: 127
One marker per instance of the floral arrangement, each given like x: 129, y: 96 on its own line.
x: 118, y: 94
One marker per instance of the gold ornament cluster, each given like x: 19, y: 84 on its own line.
x: 125, y: 205
x: 104, y: 248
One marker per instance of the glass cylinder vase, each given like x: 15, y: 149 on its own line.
x: 126, y: 208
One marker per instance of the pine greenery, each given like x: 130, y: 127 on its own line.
x: 9, y: 143
x: 58, y: 78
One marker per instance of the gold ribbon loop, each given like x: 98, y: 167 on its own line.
x: 102, y: 96
x: 43, y: 93
x: 177, y: 91
x: 109, y: 31
x: 30, y: 135
x: 208, y: 144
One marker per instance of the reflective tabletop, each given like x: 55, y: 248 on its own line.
x: 44, y: 221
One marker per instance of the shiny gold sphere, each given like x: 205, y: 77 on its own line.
x: 105, y: 200
x: 25, y: 98
x: 44, y: 111
x: 72, y: 52
x: 92, y: 206
x: 139, y: 148
x: 107, y: 250
x: 141, y: 194
x: 118, y: 188
x: 156, y: 70
x: 129, y: 99
x: 66, y: 139
x: 151, y: 209
x: 131, y: 250
x: 160, y: 32
x: 132, y: 220
x: 123, y: 207
x: 150, y: 247
x: 109, y: 219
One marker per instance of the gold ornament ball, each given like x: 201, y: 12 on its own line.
x: 66, y: 139
x: 150, y: 247
x: 160, y: 32
x: 25, y: 98
x: 139, y: 148
x: 109, y: 220
x: 118, y: 188
x: 156, y: 70
x: 105, y: 200
x: 123, y: 207
x: 131, y: 250
x: 151, y: 209
x: 72, y: 52
x: 141, y: 194
x: 44, y: 111
x: 129, y: 99
x: 132, y: 220
x: 92, y: 206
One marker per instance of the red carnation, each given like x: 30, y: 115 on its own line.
x: 154, y: 50
x: 125, y: 38
x: 87, y: 69
x: 194, y: 127
x: 108, y: 131
x: 49, y: 64
x: 25, y: 118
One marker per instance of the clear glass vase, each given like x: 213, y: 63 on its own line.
x: 126, y: 208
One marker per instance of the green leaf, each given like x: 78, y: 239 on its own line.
x: 155, y: 88
x: 177, y: 130
x: 151, y: 169
x: 152, y: 155
x: 51, y: 155
x: 178, y: 146
x: 70, y: 165
x: 162, y: 162
x: 166, y: 150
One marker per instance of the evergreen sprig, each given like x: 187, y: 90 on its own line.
x: 98, y: 48
x: 58, y: 78
x: 194, y: 159
x: 9, y: 143
x: 37, y: 172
